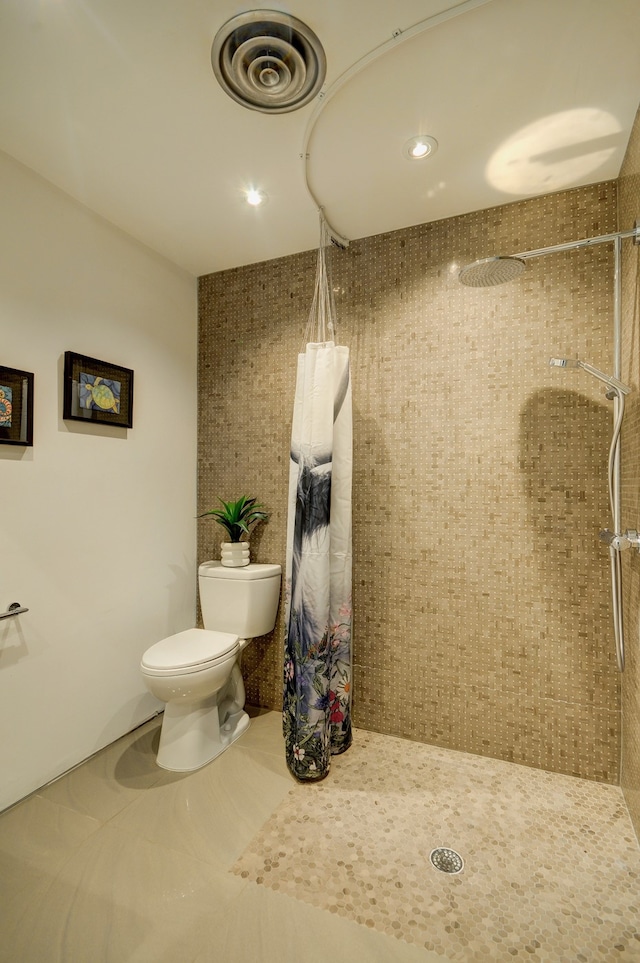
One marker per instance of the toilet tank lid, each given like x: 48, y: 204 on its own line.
x: 190, y: 648
x: 215, y: 569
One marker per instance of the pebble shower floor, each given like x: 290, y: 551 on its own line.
x: 551, y: 862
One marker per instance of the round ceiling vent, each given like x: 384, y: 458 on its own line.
x: 268, y: 61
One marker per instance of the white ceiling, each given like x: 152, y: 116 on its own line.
x: 115, y: 102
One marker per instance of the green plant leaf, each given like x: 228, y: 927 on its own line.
x: 237, y: 518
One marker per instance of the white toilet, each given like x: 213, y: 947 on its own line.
x: 197, y: 672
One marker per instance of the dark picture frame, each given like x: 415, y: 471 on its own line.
x: 16, y: 407
x: 97, y: 391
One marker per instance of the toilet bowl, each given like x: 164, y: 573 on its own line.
x: 197, y: 672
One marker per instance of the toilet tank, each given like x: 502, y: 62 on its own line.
x: 243, y: 600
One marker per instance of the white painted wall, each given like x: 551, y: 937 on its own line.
x: 97, y: 530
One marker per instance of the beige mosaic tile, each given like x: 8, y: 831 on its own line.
x: 482, y: 614
x: 551, y: 864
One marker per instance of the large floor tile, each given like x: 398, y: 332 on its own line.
x: 37, y: 837
x: 214, y: 812
x: 121, y: 899
x: 265, y: 927
x: 42, y: 834
x: 264, y: 733
x: 113, y: 778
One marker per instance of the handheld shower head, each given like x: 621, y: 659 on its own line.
x: 609, y: 380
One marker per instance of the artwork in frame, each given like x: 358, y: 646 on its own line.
x: 97, y: 391
x: 16, y: 407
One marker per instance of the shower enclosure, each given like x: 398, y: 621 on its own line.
x: 499, y: 269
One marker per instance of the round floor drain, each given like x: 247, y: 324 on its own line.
x: 447, y: 860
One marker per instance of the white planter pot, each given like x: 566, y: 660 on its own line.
x: 234, y: 554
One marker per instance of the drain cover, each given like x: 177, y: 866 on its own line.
x: 447, y: 860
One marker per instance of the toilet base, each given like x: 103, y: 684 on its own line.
x: 192, y: 736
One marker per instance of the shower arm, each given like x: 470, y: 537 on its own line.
x: 585, y: 242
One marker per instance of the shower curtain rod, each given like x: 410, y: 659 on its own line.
x: 325, y: 95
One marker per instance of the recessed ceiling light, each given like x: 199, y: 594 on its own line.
x: 255, y: 197
x: 421, y: 146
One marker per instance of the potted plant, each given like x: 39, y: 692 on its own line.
x: 237, y: 519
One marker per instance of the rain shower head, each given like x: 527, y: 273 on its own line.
x: 490, y: 271
x: 600, y: 375
x: 496, y: 270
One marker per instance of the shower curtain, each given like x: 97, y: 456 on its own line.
x: 317, y: 668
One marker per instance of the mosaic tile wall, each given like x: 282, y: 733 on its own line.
x: 628, y: 213
x: 481, y: 593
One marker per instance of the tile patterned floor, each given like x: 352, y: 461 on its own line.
x: 120, y: 861
x: 552, y: 866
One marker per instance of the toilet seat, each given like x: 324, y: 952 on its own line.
x: 190, y: 651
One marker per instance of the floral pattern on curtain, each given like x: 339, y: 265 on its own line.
x: 317, y: 669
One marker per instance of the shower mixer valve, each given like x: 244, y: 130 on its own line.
x: 621, y: 541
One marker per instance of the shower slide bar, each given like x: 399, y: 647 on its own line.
x: 14, y: 609
x: 501, y: 268
x: 617, y: 540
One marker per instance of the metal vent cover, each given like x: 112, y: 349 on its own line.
x: 269, y: 61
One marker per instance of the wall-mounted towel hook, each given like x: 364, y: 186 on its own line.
x: 14, y: 609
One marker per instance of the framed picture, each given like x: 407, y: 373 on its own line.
x: 97, y: 391
x: 16, y: 407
